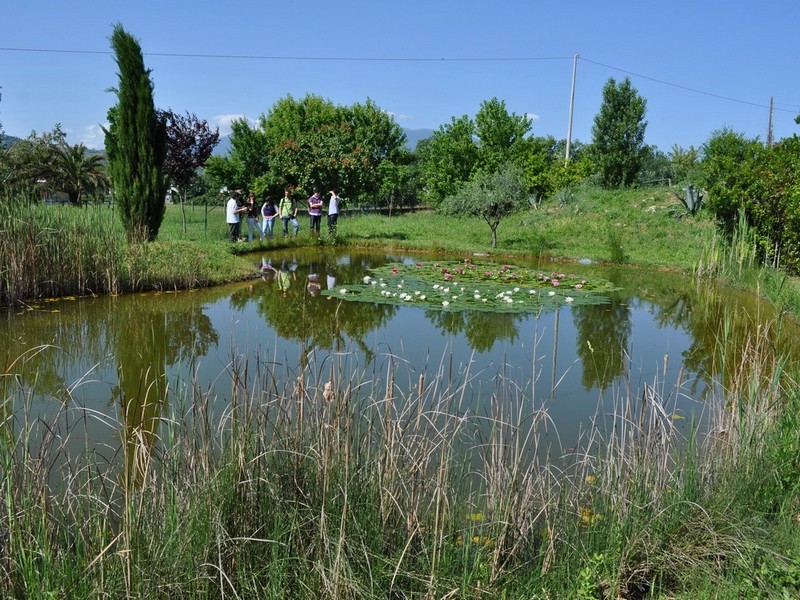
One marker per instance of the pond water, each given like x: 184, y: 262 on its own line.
x: 75, y: 359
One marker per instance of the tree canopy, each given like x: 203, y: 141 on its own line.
x: 618, y: 134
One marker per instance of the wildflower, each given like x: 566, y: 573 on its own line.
x: 590, y: 479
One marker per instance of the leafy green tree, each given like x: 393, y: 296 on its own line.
x: 684, y: 164
x: 29, y: 167
x: 772, y: 202
x: 491, y: 196
x: 78, y: 173
x: 136, y: 143
x: 447, y: 159
x: 655, y: 168
x: 190, y: 142
x: 724, y: 174
x: 312, y: 142
x: 618, y: 134
x: 501, y: 135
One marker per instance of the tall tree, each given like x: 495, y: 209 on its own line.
x: 501, y: 134
x: 190, y: 142
x: 136, y: 143
x: 448, y: 158
x: 78, y: 172
x: 618, y: 134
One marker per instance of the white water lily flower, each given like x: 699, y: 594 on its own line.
x: 342, y: 290
x: 509, y: 300
x: 455, y: 297
x: 436, y: 286
x: 445, y: 303
x: 531, y: 291
x: 367, y: 279
x: 383, y: 284
x: 416, y: 292
x: 477, y: 296
x: 422, y: 297
x: 399, y: 286
x: 569, y: 299
x: 484, y: 299
x: 551, y: 293
x: 446, y: 290
x: 516, y: 289
x: 373, y: 282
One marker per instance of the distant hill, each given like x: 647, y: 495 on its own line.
x: 413, y: 137
x: 6, y: 141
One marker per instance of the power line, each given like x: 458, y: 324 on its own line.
x: 683, y: 87
x: 794, y: 110
x: 308, y: 58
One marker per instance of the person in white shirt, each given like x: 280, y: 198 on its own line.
x: 232, y: 211
x: 333, y: 211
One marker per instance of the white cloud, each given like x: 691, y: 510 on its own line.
x: 92, y: 136
x: 399, y: 116
x: 532, y: 117
x: 224, y: 122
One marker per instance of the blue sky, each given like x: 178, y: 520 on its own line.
x: 701, y: 65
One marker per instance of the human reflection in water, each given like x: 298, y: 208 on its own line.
x: 330, y: 277
x: 313, y: 285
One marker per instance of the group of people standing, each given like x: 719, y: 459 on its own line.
x: 261, y: 217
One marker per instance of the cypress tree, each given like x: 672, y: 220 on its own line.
x: 136, y: 143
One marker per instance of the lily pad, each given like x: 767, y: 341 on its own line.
x: 468, y: 285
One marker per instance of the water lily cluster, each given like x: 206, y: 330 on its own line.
x: 467, y: 285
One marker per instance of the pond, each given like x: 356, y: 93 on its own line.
x: 74, y: 360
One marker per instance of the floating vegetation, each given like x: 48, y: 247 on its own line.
x: 467, y: 285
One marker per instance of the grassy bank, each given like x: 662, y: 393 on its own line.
x: 48, y: 251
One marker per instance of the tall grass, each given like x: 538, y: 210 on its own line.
x: 49, y: 251
x: 330, y: 482
x: 56, y: 251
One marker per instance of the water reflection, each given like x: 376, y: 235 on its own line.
x: 132, y: 356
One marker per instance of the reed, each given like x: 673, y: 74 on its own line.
x: 339, y: 481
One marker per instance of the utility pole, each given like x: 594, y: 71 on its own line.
x: 769, y: 129
x: 571, y: 108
